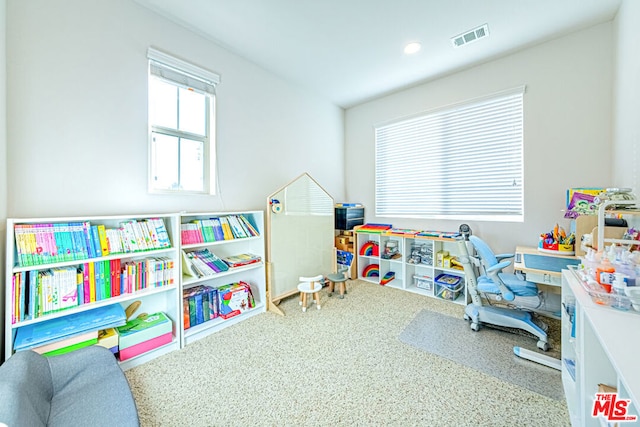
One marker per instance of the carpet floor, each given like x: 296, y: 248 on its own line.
x: 343, y: 365
x: 488, y: 350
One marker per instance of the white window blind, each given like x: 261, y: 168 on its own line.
x: 181, y: 72
x: 461, y: 162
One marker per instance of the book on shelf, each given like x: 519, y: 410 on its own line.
x: 217, y: 228
x: 145, y: 346
x: 47, y: 331
x: 200, y: 304
x: 249, y: 226
x: 240, y: 260
x: 46, y: 243
x: 67, y: 343
x: 143, y: 328
x: 226, y: 228
x: 40, y: 292
x: 234, y: 299
x: 237, y: 229
x: 190, y: 233
x: 207, y: 230
x: 201, y: 263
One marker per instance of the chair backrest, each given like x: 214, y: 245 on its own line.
x: 486, y: 254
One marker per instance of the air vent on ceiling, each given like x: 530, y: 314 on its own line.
x: 470, y: 36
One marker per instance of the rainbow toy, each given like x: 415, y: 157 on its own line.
x: 371, y: 270
x: 387, y: 278
x: 370, y: 248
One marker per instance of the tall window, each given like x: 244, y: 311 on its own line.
x: 181, y: 125
x: 461, y: 162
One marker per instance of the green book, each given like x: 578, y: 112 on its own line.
x: 72, y: 347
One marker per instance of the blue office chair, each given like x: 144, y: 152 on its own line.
x: 499, y: 298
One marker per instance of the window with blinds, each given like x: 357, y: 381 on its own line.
x: 181, y: 119
x: 463, y: 162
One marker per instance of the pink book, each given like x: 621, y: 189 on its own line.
x: 145, y: 346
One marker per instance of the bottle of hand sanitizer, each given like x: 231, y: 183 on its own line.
x: 620, y: 300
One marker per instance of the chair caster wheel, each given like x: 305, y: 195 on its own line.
x: 475, y: 327
x: 542, y: 345
x: 466, y: 317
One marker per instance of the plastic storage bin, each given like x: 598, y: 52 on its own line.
x: 449, y: 286
x: 423, y: 282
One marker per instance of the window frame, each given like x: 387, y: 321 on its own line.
x: 402, y: 190
x: 182, y: 74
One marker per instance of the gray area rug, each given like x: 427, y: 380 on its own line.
x: 489, y: 351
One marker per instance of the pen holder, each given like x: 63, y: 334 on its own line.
x: 565, y: 248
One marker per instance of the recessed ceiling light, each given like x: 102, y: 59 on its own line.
x: 412, y: 48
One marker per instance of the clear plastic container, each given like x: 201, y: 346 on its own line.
x: 619, y: 298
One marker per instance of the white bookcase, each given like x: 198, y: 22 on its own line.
x: 415, y: 268
x: 165, y: 298
x: 252, y: 274
x: 599, y: 346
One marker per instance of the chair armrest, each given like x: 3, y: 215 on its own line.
x: 504, y: 256
x: 498, y: 267
x: 492, y: 272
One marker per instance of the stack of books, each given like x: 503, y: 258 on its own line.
x: 202, y: 263
x: 144, y: 333
x: 241, y: 260
x: 68, y: 333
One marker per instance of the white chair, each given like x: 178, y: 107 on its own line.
x: 310, y: 286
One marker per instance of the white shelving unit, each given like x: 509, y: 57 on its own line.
x: 253, y: 274
x: 418, y: 277
x: 153, y: 299
x: 604, y: 211
x: 599, y: 346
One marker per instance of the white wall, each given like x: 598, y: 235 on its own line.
x: 3, y: 159
x: 567, y: 128
x: 626, y: 125
x: 77, y: 115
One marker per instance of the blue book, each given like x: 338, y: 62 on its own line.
x: 95, y: 239
x: 36, y: 334
x: 217, y: 229
x: 86, y: 231
x: 97, y: 267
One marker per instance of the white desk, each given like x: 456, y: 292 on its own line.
x: 542, y: 267
x: 606, y: 350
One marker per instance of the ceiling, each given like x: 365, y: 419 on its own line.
x: 351, y: 51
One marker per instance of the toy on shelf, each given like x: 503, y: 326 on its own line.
x: 391, y: 250
x: 389, y: 276
x: 372, y: 270
x: 370, y: 248
x: 557, y: 241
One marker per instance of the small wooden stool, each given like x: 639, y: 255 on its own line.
x: 339, y: 278
x: 310, y: 285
